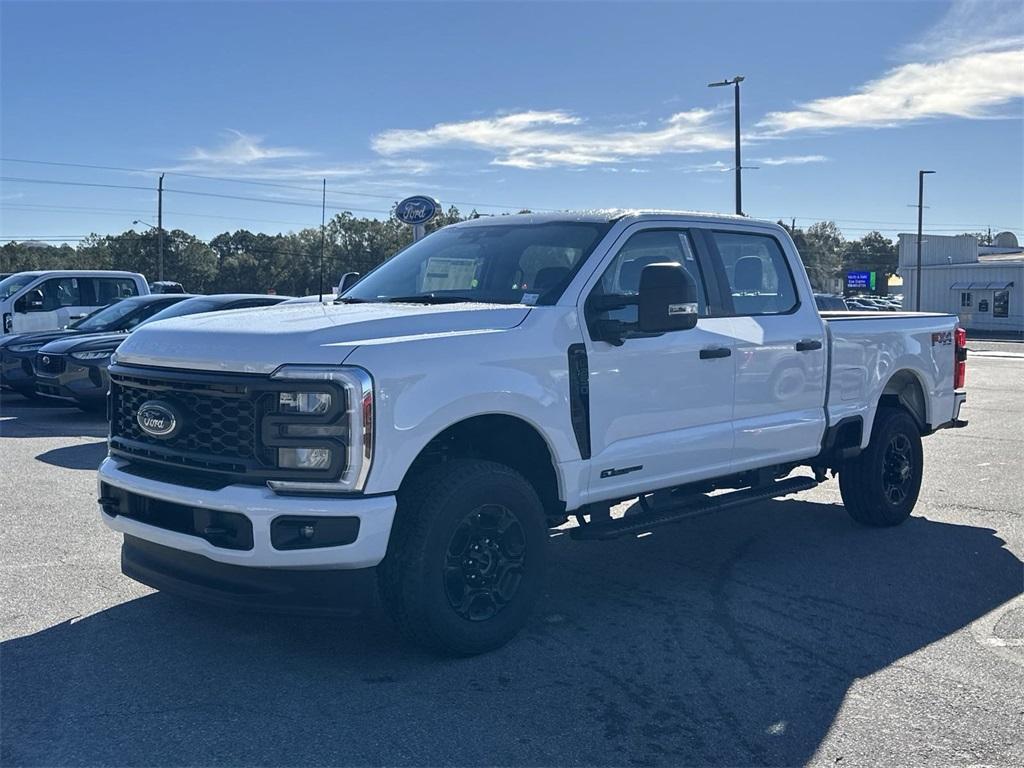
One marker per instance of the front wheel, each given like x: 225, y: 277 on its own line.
x: 881, y: 485
x: 465, y: 564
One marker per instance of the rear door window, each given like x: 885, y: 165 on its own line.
x: 756, y: 272
x: 110, y: 288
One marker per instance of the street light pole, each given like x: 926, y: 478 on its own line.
x: 735, y: 82
x: 920, y: 225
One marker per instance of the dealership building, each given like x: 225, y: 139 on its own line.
x: 983, y: 284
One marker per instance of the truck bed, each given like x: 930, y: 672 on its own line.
x: 867, y: 349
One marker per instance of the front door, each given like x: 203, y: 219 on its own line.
x: 52, y: 304
x: 660, y: 404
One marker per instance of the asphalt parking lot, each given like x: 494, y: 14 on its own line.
x: 780, y: 634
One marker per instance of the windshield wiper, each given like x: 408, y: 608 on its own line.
x: 430, y: 298
x: 349, y: 300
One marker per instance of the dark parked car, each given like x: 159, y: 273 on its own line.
x: 829, y: 303
x: 18, y: 352
x: 166, y: 286
x: 75, y: 369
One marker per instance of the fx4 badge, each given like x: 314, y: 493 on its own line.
x: 944, y: 337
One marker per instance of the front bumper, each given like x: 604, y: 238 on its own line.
x: 339, y: 592
x: 16, y: 371
x: 260, y: 506
x: 81, y: 383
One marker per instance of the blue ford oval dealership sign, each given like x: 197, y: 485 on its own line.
x: 418, y: 209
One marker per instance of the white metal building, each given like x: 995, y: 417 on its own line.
x: 984, y: 285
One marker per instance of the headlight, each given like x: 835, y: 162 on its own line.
x: 98, y: 354
x: 304, y: 458
x: 24, y: 347
x: 317, y: 428
x: 304, y: 402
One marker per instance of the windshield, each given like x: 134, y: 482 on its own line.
x: 494, y: 263
x: 110, y: 317
x: 11, y: 285
x: 186, y: 307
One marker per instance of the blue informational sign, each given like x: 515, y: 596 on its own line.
x: 863, y: 281
x: 418, y: 209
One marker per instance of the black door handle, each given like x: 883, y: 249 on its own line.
x: 712, y: 352
x: 807, y: 345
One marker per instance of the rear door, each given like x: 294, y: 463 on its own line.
x: 780, y: 347
x: 660, y: 404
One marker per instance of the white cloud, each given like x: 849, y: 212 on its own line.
x: 242, y: 149
x: 971, y: 26
x: 716, y: 167
x: 545, y: 139
x: 790, y: 160
x: 968, y: 65
x: 968, y: 86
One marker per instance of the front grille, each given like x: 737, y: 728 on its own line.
x: 217, y: 425
x: 50, y: 364
x: 222, y: 426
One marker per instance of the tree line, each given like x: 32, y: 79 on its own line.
x: 289, y: 263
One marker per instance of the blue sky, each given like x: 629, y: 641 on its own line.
x: 548, y: 106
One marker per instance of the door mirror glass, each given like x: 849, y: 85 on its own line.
x: 347, y: 281
x: 667, y: 300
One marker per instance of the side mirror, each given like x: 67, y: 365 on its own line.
x: 347, y: 281
x: 30, y: 302
x: 667, y: 299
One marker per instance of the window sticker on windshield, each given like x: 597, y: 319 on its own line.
x: 529, y: 299
x: 443, y: 274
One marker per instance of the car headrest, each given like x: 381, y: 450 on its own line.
x: 549, y: 277
x: 748, y: 275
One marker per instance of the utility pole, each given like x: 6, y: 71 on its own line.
x: 160, y: 229
x: 735, y: 82
x: 920, y: 225
x: 323, y: 232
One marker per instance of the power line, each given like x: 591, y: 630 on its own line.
x: 235, y: 180
x: 271, y: 201
x: 139, y: 211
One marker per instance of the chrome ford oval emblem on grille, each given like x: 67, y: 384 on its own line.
x: 158, y: 419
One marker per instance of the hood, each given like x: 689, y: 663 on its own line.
x: 38, y: 337
x: 81, y: 341
x: 260, y: 340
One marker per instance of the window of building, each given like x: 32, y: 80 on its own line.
x: 1001, y: 304
x: 965, y: 299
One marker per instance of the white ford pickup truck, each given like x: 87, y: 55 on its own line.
x: 494, y: 380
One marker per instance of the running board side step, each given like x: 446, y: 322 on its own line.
x: 703, y: 505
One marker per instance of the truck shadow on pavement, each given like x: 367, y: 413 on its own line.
x: 81, y: 456
x: 728, y: 640
x: 31, y: 418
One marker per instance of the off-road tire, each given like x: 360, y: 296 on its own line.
x: 417, y: 576
x: 880, y: 486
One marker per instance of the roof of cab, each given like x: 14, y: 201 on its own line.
x: 82, y: 272
x: 601, y: 216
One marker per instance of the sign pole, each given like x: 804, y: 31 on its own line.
x: 419, y: 231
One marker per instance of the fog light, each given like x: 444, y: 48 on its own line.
x: 304, y: 458
x: 304, y: 402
